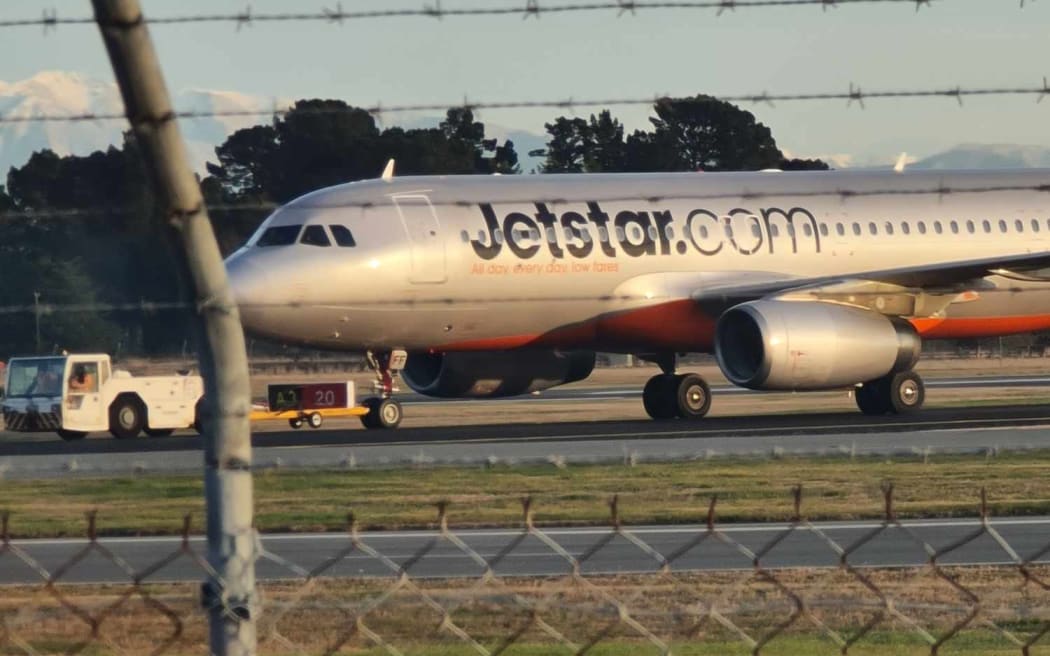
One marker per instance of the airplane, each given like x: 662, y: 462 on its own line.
x: 494, y: 286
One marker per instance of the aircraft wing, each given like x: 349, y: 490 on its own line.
x: 909, y: 291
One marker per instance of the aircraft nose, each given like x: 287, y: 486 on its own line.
x: 250, y: 284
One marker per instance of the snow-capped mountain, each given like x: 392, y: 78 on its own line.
x: 987, y: 156
x: 60, y: 93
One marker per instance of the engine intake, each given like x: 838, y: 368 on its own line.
x: 494, y: 374
x: 805, y: 345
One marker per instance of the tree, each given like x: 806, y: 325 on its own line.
x: 689, y: 134
x: 577, y: 145
x: 708, y: 134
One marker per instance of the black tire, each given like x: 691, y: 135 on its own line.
x: 198, y: 421
x: 873, y: 397
x: 295, y: 422
x: 906, y: 392
x: 315, y: 420
x: 127, y: 417
x: 389, y: 414
x: 659, y: 397
x: 70, y: 435
x: 159, y: 432
x: 369, y: 420
x: 692, y: 397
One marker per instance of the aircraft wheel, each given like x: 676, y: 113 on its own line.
x: 388, y: 413
x: 906, y: 391
x: 873, y: 397
x: 659, y: 397
x: 71, y: 435
x: 693, y: 396
x: 369, y: 420
x: 315, y: 419
x: 295, y: 423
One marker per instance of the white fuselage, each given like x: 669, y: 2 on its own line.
x: 612, y: 262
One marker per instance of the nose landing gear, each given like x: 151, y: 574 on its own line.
x: 384, y: 411
x: 670, y: 395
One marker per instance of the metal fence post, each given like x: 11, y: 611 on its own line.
x: 229, y: 595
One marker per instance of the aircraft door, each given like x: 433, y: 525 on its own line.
x: 424, y: 236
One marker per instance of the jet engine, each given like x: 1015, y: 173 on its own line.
x: 810, y: 345
x: 489, y: 375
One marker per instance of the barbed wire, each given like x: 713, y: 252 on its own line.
x: 842, y: 193
x: 49, y: 19
x: 446, y: 587
x: 854, y: 94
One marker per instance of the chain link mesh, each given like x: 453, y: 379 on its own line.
x: 613, y: 589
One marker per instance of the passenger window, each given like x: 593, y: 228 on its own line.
x: 1035, y: 225
x: 856, y: 229
x: 823, y: 230
x: 922, y: 227
x: 873, y: 228
x: 889, y: 228
x: 755, y: 230
x: 773, y: 230
x: 1019, y: 225
x: 807, y: 229
x: 840, y: 229
x: 497, y: 236
x: 906, y: 228
x: 279, y: 236
x: 551, y: 237
x: 652, y: 233
x: 703, y: 232
x: 955, y: 227
x: 937, y: 227
x: 345, y: 238
x: 1002, y: 226
x: 970, y: 227
x: 315, y: 235
x: 669, y: 231
x: 986, y: 225
x: 465, y: 236
x: 791, y: 230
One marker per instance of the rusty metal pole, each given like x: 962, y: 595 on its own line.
x: 229, y: 593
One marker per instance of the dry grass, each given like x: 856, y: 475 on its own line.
x: 747, y: 490
x: 672, y: 608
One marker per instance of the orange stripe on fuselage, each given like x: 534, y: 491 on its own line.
x: 968, y: 327
x: 678, y: 325
x: 683, y: 326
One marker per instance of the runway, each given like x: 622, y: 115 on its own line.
x: 293, y: 555
x: 937, y: 430
x: 624, y: 392
x: 933, y: 430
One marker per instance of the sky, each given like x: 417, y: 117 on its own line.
x: 968, y: 43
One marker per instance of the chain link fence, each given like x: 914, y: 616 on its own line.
x: 799, y: 587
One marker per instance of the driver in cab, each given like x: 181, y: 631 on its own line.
x: 82, y: 381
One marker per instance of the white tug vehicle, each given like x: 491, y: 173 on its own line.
x: 74, y: 395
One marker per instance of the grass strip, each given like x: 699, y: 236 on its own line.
x: 748, y: 489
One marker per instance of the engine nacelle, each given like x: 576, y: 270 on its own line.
x: 810, y: 345
x: 489, y: 375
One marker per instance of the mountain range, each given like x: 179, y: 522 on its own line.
x: 61, y: 93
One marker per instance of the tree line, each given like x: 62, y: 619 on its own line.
x: 113, y: 252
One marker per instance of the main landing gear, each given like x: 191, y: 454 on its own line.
x: 898, y: 393
x: 670, y: 395
x: 384, y: 411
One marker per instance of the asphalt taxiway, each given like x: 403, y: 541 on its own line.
x: 424, y: 554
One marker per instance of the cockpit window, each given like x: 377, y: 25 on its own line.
x: 279, y: 235
x: 315, y: 235
x: 343, y: 236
